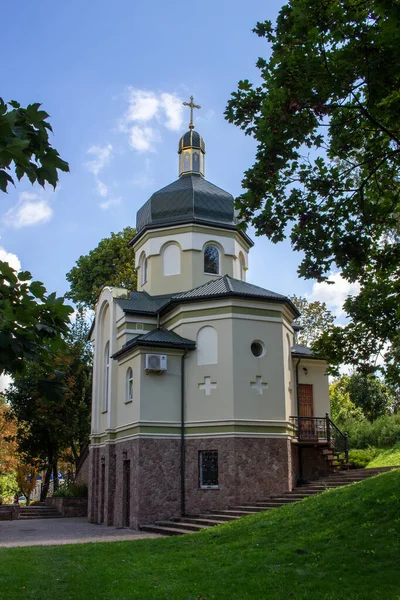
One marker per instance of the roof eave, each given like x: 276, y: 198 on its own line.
x: 150, y: 344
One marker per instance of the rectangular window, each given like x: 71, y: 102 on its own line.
x: 208, y: 469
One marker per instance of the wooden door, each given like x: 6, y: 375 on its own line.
x: 126, y: 493
x: 306, y: 401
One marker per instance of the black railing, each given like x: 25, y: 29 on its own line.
x: 321, y: 429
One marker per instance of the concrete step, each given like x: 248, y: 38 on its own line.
x: 182, y: 525
x: 231, y: 512
x: 221, y: 517
x: 170, y: 530
x: 201, y: 520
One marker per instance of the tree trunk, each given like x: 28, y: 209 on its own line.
x: 55, y: 476
x: 45, y: 486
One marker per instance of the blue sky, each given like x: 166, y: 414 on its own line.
x: 113, y: 75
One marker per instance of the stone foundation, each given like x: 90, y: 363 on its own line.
x: 139, y: 481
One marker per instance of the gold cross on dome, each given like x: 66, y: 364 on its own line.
x: 192, y: 106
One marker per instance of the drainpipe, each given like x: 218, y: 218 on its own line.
x: 299, y: 423
x: 183, y: 507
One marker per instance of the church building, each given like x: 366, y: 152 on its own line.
x: 197, y: 382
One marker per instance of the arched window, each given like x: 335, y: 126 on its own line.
x: 211, y: 260
x: 207, y: 346
x: 129, y: 385
x: 171, y: 260
x: 106, y: 376
x: 143, y: 268
x: 242, y: 266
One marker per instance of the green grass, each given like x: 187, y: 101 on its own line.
x: 343, y: 544
x: 387, y: 457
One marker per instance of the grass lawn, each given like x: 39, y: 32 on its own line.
x: 387, y: 457
x: 343, y: 544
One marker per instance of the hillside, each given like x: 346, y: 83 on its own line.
x: 387, y: 457
x: 342, y: 544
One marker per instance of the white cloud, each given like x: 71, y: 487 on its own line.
x: 101, y: 157
x: 146, y: 109
x: 5, y: 381
x: 173, y: 108
x: 334, y: 294
x: 101, y: 188
x: 110, y: 203
x: 32, y: 209
x: 10, y: 258
x: 143, y: 139
x: 143, y: 106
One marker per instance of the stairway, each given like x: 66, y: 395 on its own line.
x: 191, y: 524
x: 38, y: 512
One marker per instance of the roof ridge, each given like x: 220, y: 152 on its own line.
x: 228, y: 282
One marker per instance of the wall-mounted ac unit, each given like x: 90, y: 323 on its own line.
x: 156, y: 362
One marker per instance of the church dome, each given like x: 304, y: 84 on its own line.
x: 189, y: 199
x: 191, y: 139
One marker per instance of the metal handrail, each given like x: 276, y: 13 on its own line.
x: 321, y: 429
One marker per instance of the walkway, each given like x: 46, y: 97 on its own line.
x: 52, y: 532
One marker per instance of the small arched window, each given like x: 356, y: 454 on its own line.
x: 143, y: 268
x: 211, y: 260
x: 242, y: 266
x: 106, y: 376
x: 207, y: 346
x: 129, y: 385
x: 171, y: 260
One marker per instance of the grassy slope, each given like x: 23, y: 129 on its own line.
x: 342, y: 544
x: 387, y: 457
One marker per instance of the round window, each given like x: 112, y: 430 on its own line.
x: 257, y: 349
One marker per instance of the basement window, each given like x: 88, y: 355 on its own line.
x: 208, y: 469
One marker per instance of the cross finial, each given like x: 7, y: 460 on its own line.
x: 192, y: 106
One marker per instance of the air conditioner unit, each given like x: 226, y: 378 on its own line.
x: 156, y: 362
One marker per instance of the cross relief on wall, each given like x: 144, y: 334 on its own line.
x: 259, y: 385
x: 207, y: 386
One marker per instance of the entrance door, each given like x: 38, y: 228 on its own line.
x: 306, y: 400
x: 126, y: 493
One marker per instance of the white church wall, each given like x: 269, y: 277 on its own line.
x: 209, y: 395
x: 259, y: 382
x: 171, y: 259
x: 160, y: 394
x: 317, y: 377
x: 128, y: 411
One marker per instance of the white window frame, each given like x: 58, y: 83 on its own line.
x: 106, y: 383
x: 129, y: 386
x: 211, y: 245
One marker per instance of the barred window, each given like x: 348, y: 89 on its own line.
x: 208, y: 469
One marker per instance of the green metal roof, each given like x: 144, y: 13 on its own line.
x: 160, y: 338
x: 189, y: 199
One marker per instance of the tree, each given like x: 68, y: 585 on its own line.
x: 315, y: 318
x: 26, y: 479
x: 25, y: 147
x: 325, y: 118
x: 111, y: 263
x: 342, y: 407
x: 31, y: 322
x: 370, y: 394
x: 51, y: 404
x: 8, y: 452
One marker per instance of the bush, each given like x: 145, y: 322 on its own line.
x: 383, y: 432
x: 359, y: 459
x: 72, y: 490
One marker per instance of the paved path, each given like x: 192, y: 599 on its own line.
x: 51, y: 532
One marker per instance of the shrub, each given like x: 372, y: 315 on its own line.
x: 384, y: 431
x: 359, y: 459
x: 72, y: 490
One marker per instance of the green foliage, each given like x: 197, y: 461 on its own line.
x: 387, y: 457
x: 72, y: 490
x: 340, y: 544
x: 315, y: 318
x: 359, y: 459
x: 383, y: 432
x: 111, y: 263
x: 8, y: 487
x: 342, y: 407
x: 31, y: 322
x: 25, y: 147
x: 51, y: 402
x: 325, y: 118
